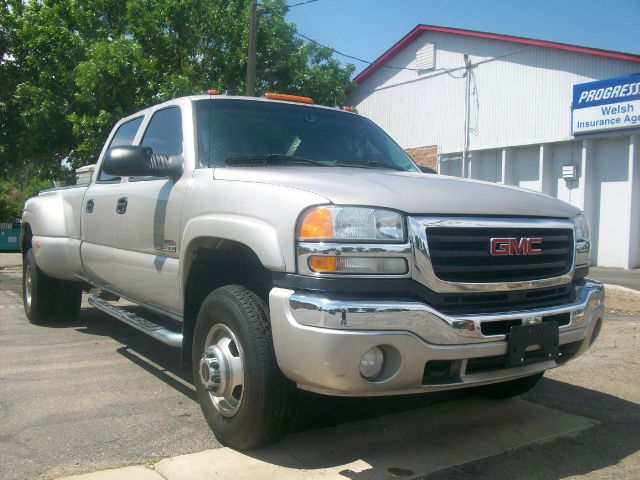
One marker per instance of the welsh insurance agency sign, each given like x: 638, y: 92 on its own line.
x: 606, y: 105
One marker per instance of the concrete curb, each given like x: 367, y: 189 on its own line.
x: 414, y: 443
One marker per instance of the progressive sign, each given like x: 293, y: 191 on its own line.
x: 604, y: 105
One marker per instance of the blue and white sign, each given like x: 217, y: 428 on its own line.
x: 606, y: 105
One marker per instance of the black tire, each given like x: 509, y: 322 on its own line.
x: 69, y: 300
x: 512, y: 388
x: 46, y: 299
x: 265, y: 411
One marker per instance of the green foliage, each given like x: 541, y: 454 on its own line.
x: 13, y: 195
x: 69, y: 69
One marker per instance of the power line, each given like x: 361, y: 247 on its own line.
x: 442, y: 71
x: 301, y: 3
x: 311, y: 40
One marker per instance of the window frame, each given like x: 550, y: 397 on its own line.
x: 146, y: 125
x: 123, y: 122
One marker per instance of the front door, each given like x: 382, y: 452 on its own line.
x: 150, y: 233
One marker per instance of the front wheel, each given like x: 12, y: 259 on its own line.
x: 244, y: 396
x: 512, y: 388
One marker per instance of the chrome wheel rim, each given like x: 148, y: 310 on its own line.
x: 28, y: 285
x: 222, y: 369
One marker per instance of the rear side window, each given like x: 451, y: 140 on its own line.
x: 164, y: 133
x: 124, y: 136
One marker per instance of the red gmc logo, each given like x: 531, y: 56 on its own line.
x: 513, y: 246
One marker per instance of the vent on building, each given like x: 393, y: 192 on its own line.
x: 426, y: 57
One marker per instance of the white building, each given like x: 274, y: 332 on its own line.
x: 519, y: 104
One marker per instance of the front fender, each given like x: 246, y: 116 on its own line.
x: 258, y: 235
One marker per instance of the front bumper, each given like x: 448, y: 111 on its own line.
x: 319, y: 341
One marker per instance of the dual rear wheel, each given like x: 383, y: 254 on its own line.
x: 48, y: 300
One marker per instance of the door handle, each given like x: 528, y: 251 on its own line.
x: 89, y: 206
x: 121, y: 206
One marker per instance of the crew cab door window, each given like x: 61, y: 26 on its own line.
x: 164, y: 133
x: 124, y: 136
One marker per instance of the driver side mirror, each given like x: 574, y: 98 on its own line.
x: 139, y: 161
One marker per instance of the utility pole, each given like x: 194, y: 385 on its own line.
x: 251, y: 58
x: 467, y: 113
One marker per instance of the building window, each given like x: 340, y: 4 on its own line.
x: 426, y: 57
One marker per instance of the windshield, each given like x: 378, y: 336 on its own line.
x: 230, y: 131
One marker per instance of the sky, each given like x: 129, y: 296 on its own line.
x: 367, y: 28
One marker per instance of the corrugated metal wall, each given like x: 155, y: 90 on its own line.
x: 521, y: 120
x: 523, y: 96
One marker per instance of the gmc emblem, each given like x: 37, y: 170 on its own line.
x: 513, y: 246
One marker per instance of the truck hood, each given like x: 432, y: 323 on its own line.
x: 410, y: 192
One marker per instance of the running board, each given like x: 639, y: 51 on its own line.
x: 166, y: 336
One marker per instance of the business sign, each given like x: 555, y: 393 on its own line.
x: 604, y: 105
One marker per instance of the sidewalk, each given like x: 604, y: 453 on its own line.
x: 10, y: 259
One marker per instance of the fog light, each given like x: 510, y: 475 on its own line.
x: 372, y: 363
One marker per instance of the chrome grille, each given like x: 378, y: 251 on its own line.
x: 463, y: 254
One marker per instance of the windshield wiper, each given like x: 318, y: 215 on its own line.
x: 273, y: 159
x: 369, y: 164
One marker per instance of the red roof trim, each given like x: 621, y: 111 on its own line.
x: 493, y: 36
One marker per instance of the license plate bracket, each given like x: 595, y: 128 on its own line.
x: 546, y: 335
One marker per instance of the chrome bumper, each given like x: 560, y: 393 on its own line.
x: 319, y: 341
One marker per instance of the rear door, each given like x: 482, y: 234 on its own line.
x: 100, y: 220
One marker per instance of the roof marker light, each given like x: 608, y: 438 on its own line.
x: 212, y: 91
x: 287, y: 98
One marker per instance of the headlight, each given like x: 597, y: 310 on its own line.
x: 583, y: 245
x: 360, y: 224
x: 581, y: 227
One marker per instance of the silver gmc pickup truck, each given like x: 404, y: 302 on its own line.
x: 283, y: 245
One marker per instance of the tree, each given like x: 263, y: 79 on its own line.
x: 115, y: 80
x: 69, y: 69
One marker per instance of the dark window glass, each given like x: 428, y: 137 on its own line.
x: 164, y: 133
x: 123, y: 136
x: 234, y: 129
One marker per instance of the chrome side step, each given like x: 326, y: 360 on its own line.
x: 166, y: 336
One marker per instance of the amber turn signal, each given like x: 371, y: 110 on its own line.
x: 323, y: 264
x: 316, y: 224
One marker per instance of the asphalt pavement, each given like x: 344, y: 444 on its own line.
x: 617, y: 276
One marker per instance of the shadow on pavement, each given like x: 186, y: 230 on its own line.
x: 316, y: 411
x: 615, y: 438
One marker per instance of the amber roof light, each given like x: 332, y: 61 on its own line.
x: 287, y: 98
